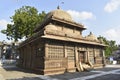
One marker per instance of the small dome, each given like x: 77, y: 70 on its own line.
x: 91, y: 37
x: 50, y: 26
x: 59, y: 14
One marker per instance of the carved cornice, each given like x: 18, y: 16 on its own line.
x: 62, y: 35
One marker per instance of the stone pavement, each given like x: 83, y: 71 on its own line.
x: 11, y: 72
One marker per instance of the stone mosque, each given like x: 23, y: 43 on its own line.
x: 58, y: 46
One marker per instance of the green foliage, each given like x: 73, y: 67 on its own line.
x: 111, y: 46
x: 24, y: 21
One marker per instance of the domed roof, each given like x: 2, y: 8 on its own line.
x: 91, y: 37
x: 59, y: 14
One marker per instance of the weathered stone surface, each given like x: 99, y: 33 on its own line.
x: 58, y: 46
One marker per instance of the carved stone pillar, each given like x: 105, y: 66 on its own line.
x: 65, y: 55
x: 87, y: 55
x: 76, y: 55
x: 46, y: 49
x: 103, y: 53
x: 95, y: 55
x: 65, y: 51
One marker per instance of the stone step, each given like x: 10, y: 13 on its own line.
x: 87, y: 67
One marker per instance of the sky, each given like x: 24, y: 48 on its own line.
x: 101, y: 17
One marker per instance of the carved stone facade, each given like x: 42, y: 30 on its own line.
x: 58, y: 46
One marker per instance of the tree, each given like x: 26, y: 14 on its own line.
x: 24, y: 21
x: 111, y: 46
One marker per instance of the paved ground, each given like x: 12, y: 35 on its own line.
x: 11, y: 72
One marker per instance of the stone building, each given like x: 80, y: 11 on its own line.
x: 58, y: 46
x: 8, y: 50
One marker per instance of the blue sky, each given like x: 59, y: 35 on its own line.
x: 102, y: 17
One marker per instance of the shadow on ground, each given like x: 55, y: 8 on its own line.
x: 15, y: 68
x: 27, y: 78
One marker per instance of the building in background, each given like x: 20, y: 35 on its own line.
x: 58, y: 46
x: 116, y: 55
x: 8, y: 50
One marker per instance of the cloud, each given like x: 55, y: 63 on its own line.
x: 112, y: 6
x: 3, y: 24
x: 77, y: 16
x: 113, y: 34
